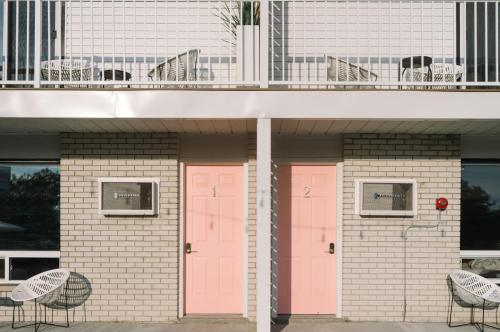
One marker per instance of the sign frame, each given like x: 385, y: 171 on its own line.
x: 358, y: 200
x: 155, y: 183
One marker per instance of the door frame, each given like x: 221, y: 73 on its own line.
x: 182, y: 228
x: 339, y: 176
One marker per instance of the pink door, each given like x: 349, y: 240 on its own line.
x: 214, y: 237
x: 306, y: 239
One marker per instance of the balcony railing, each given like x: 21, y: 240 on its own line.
x: 426, y: 44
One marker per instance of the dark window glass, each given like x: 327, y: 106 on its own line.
x: 29, y: 206
x: 2, y: 268
x: 480, y: 206
x: 486, y: 267
x: 24, y: 268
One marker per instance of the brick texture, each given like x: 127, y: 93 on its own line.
x: 373, y: 248
x: 132, y: 262
x: 252, y: 228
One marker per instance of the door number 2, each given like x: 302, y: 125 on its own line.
x: 307, y: 192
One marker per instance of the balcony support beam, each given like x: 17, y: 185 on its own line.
x: 38, y: 42
x: 263, y: 225
x: 264, y: 44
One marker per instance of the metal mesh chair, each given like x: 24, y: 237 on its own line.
x: 439, y: 72
x: 173, y: 70
x: 43, y: 288
x: 471, y: 290
x: 76, y: 292
x: 70, y: 70
x: 343, y: 71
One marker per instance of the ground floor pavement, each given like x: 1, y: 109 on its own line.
x: 204, y: 326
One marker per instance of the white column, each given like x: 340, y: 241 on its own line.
x: 263, y: 225
x: 264, y: 43
x: 38, y: 41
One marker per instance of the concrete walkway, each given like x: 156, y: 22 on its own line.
x: 239, y: 326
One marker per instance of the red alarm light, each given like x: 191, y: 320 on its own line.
x: 441, y: 203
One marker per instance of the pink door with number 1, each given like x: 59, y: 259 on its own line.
x: 214, y: 240
x: 306, y: 239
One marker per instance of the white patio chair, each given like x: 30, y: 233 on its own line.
x: 43, y: 288
x: 343, y: 71
x: 183, y: 70
x: 439, y: 72
x: 471, y: 290
x: 67, y: 70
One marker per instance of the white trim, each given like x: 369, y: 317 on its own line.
x: 235, y: 104
x: 182, y: 226
x: 182, y: 271
x: 339, y: 224
x: 245, y: 239
x: 479, y: 253
x: 155, y: 183
x: 358, y: 190
x: 7, y: 255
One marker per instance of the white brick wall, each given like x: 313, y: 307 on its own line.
x: 132, y: 262
x: 373, y: 261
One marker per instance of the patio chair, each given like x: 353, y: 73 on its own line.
x: 439, y: 72
x: 70, y: 70
x: 343, y: 71
x: 173, y: 70
x: 470, y: 290
x: 76, y: 292
x: 42, y: 289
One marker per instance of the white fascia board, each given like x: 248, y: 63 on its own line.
x: 238, y: 104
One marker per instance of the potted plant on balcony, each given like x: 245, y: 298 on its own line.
x: 242, y: 20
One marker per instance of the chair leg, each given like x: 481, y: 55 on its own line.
x: 450, y: 311
x: 13, y: 313
x: 496, y: 316
x: 482, y: 325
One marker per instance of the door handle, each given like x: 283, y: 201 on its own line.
x: 188, y: 248
x: 331, y: 249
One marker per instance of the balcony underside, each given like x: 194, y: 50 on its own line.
x: 231, y: 126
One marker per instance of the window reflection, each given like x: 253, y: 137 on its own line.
x: 480, y: 206
x: 24, y: 268
x: 486, y: 267
x: 29, y: 206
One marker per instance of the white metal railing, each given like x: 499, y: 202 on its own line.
x: 385, y: 43
x: 299, y: 43
x: 85, y: 43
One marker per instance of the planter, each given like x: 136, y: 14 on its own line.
x: 247, y: 52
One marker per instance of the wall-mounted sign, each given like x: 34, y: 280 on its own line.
x: 128, y: 196
x: 386, y: 197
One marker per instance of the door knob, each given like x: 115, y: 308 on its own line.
x: 188, y: 248
x: 331, y: 249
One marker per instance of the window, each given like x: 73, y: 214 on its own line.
x: 29, y: 218
x: 2, y: 268
x: 480, y: 217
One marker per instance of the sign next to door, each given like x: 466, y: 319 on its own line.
x: 386, y: 197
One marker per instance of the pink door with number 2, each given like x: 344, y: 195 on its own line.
x: 306, y: 239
